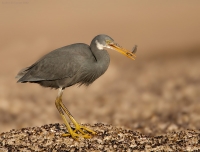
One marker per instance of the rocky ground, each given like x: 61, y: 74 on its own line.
x: 107, y: 138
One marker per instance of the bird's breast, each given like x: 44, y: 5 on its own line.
x: 93, y: 71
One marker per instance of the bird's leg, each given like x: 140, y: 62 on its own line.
x: 78, y: 128
x: 57, y: 102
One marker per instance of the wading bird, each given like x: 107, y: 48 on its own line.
x: 69, y: 65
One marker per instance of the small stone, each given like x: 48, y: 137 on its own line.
x: 172, y: 127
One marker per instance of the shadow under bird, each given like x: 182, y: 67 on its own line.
x: 77, y: 63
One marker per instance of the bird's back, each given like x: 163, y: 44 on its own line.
x: 60, y: 64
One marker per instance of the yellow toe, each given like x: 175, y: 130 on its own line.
x: 83, y: 130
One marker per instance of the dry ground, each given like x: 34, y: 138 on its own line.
x: 107, y: 138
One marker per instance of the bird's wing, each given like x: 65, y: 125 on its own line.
x: 56, y: 65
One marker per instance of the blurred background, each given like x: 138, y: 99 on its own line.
x: 156, y: 93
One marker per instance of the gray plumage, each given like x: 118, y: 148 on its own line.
x: 73, y: 64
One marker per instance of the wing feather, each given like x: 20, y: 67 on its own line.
x: 58, y: 64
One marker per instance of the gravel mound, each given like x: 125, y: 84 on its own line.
x: 108, y: 138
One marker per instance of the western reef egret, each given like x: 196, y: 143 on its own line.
x: 69, y: 65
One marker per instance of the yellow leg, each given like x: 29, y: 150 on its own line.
x: 78, y: 128
x: 80, y: 131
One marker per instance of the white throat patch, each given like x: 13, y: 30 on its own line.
x: 99, y: 46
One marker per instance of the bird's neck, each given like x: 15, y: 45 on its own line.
x: 102, y: 58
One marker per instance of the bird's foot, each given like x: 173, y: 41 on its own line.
x: 80, y: 131
x: 76, y: 136
x: 83, y: 130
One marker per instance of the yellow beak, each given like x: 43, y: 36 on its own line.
x: 121, y: 50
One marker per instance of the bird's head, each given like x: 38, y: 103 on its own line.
x: 104, y: 41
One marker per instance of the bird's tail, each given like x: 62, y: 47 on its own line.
x: 21, y: 74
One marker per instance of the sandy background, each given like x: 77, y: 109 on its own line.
x: 160, y: 91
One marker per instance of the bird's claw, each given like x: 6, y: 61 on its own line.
x: 83, y: 130
x: 79, y: 131
x: 76, y: 136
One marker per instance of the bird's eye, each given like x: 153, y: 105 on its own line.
x: 108, y: 41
